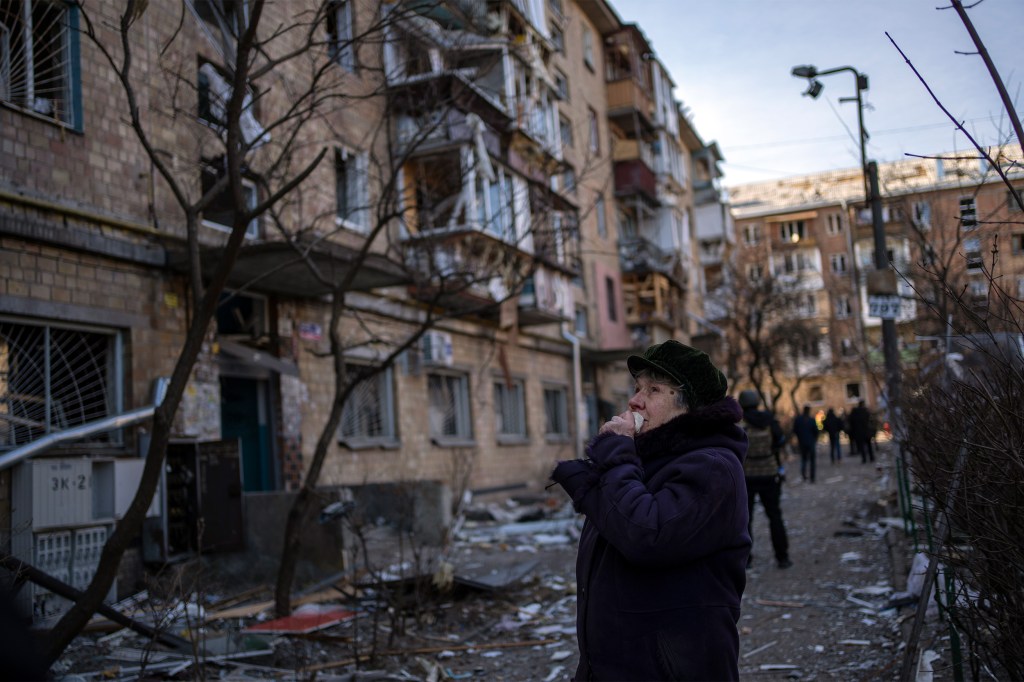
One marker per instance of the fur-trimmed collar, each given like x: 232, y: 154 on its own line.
x: 692, y: 429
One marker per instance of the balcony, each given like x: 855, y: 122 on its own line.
x: 634, y: 177
x: 630, y: 107
x: 436, y: 131
x: 652, y: 298
x: 639, y: 255
x: 546, y: 298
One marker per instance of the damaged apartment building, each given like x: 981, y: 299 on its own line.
x: 498, y: 200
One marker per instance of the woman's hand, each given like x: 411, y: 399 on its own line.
x: 621, y: 424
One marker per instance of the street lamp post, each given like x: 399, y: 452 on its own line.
x: 873, y: 198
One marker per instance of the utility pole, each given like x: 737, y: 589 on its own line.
x: 890, y: 346
x: 883, y: 280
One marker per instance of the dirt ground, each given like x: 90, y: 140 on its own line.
x: 509, y: 615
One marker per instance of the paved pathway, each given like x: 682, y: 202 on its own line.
x: 822, y: 618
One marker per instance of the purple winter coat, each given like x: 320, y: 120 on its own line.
x: 662, y: 558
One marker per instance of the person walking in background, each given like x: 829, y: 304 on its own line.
x: 833, y: 427
x: 806, y: 431
x: 860, y: 432
x: 661, y: 564
x: 763, y: 471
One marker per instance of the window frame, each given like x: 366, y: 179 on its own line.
x: 356, y: 219
x: 921, y: 212
x: 341, y: 47
x: 556, y: 413
x: 510, y: 411
x: 209, y: 169
x: 594, y: 132
x: 1011, y: 203
x: 611, y: 298
x: 973, y: 256
x: 833, y: 224
x: 789, y: 228
x: 837, y: 263
x: 588, y: 48
x: 582, y: 316
x: 843, y: 307
x: 69, y: 74
x: 752, y: 234
x: 1017, y: 243
x: 557, y: 36
x: 561, y: 85
x: 458, y: 383
x: 968, y: 214
x: 565, y: 131
x: 385, y: 404
x: 55, y: 409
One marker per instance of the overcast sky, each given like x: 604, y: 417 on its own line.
x: 731, y: 62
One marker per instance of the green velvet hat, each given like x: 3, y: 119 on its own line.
x: 702, y: 382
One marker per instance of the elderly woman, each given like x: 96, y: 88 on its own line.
x: 661, y: 562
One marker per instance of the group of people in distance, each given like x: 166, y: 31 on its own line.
x: 859, y: 426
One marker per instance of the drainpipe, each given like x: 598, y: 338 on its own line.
x: 577, y: 387
x: 106, y: 424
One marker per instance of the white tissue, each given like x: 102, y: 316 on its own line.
x: 638, y: 421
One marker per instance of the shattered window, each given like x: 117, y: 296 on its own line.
x: 221, y: 211
x: 38, y: 39
x: 54, y: 378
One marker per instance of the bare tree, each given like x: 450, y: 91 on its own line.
x: 967, y: 464
x: 769, y: 333
x: 249, y: 55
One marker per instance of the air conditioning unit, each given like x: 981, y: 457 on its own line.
x: 437, y: 349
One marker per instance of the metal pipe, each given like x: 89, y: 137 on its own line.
x: 14, y: 456
x: 577, y: 387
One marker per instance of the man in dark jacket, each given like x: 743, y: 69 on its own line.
x: 833, y: 426
x: 662, y: 557
x: 860, y: 432
x: 806, y: 431
x: 763, y: 470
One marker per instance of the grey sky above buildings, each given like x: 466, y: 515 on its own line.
x: 731, y: 62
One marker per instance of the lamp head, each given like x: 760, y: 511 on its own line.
x: 814, y: 88
x: 806, y: 71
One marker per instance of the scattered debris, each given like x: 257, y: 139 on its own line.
x: 761, y: 648
x: 305, y: 619
x: 784, y: 604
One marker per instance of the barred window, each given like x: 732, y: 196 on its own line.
x: 369, y: 414
x: 38, y: 41
x: 54, y: 378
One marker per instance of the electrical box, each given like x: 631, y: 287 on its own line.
x: 201, y: 502
x: 60, y: 520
